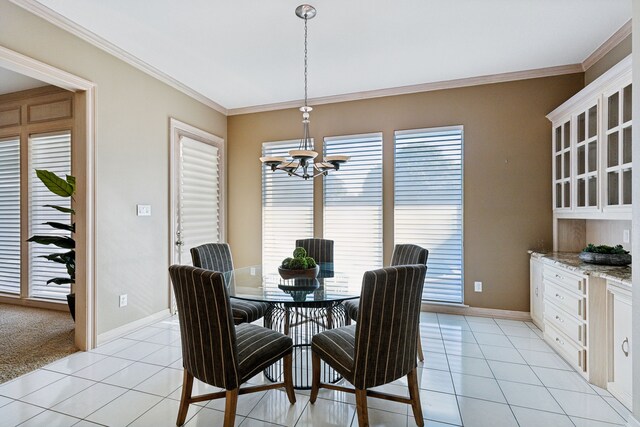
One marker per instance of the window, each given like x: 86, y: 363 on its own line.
x: 353, y: 203
x: 10, y: 216
x: 428, y: 205
x: 287, y: 208
x: 51, y: 152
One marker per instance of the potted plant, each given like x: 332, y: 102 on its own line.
x: 606, y: 255
x: 67, y: 257
x: 300, y: 266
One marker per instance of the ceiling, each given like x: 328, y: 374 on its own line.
x: 13, y: 82
x: 250, y: 52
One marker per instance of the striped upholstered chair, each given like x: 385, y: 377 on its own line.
x: 217, y: 257
x: 319, y: 249
x: 381, y: 346
x: 406, y: 254
x: 214, y: 350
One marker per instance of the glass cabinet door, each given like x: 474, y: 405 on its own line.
x: 562, y: 166
x: 587, y: 158
x: 618, y: 148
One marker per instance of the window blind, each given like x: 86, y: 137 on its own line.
x: 199, y: 195
x: 10, y: 216
x: 51, y: 152
x: 287, y: 208
x: 428, y: 205
x: 353, y: 203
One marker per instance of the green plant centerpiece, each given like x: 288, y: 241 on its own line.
x: 299, y: 267
x: 67, y: 244
x: 605, y: 255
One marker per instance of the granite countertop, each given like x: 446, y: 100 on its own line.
x: 570, y: 261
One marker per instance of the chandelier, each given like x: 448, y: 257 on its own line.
x: 303, y: 162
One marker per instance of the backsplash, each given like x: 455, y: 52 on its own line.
x: 608, y: 232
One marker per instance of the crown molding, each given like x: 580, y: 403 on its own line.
x: 424, y: 87
x: 607, y: 46
x: 60, y: 21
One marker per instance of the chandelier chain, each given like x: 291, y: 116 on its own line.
x: 305, y: 61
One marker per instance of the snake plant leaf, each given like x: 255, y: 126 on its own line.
x: 72, y: 180
x: 60, y: 280
x: 59, y: 241
x: 61, y: 226
x: 54, y: 183
x: 61, y: 209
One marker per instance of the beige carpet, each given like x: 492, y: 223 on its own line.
x: 31, y: 338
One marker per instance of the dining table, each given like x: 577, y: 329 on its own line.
x: 299, y: 308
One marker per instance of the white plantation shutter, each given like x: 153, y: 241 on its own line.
x: 287, y: 208
x: 10, y: 216
x: 199, y: 195
x: 53, y: 153
x: 353, y: 203
x: 428, y: 205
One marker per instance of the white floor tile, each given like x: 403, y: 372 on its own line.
x: 92, y: 399
x: 544, y: 360
x: 478, y: 387
x: 50, y: 419
x: 163, y: 414
x: 165, y: 356
x: 619, y: 407
x: 387, y: 405
x: 533, y: 418
x: 600, y: 391
x: 502, y: 354
x: 29, y: 383
x: 17, y: 412
x: 125, y: 409
x: 469, y: 366
x: 165, y: 337
x: 138, y: 351
x: 534, y: 344
x: 582, y: 422
x: 75, y: 362
x: 327, y: 413
x: 113, y: 347
x: 481, y: 413
x: 586, y: 405
x: 455, y: 322
x: 250, y: 422
x: 275, y: 408
x: 379, y: 418
x: 432, y: 379
x: 492, y: 339
x: 519, y: 331
x: 564, y: 380
x: 246, y: 403
x: 85, y: 423
x: 458, y: 335
x: 441, y: 407
x: 132, y: 375
x: 491, y: 328
x: 162, y: 383
x: 4, y: 401
x: 463, y: 349
x: 58, y: 391
x: 433, y: 360
x: 479, y: 319
x: 143, y: 333
x: 513, y: 372
x: 507, y: 323
x: 529, y: 396
x: 432, y: 345
x: 103, y: 369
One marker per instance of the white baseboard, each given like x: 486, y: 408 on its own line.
x: 130, y: 327
x: 633, y: 422
x: 463, y: 310
x: 33, y: 302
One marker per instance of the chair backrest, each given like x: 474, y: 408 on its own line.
x: 409, y: 255
x: 388, y: 324
x: 208, y: 334
x: 212, y: 256
x: 319, y: 249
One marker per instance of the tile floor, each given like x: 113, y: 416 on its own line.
x: 477, y: 372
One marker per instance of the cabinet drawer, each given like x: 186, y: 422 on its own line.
x: 575, y: 355
x: 571, y: 327
x: 571, y: 303
x: 566, y: 280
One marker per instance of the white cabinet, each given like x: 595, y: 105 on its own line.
x: 537, y: 292
x: 619, y: 332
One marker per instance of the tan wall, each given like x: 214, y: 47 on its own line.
x: 507, y: 169
x: 615, y: 55
x: 132, y: 151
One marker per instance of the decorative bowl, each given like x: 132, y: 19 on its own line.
x: 605, y: 259
x: 308, y: 273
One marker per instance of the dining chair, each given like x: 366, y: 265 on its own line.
x: 215, y: 351
x: 217, y: 257
x: 319, y: 249
x: 381, y: 346
x: 405, y: 254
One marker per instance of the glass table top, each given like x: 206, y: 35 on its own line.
x: 262, y: 283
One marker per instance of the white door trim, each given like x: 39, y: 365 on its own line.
x: 84, y: 160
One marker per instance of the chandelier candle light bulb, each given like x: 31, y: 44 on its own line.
x: 304, y: 156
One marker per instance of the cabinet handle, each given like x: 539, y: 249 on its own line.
x: 536, y: 291
x: 558, y: 318
x: 559, y: 296
x: 559, y: 276
x: 559, y: 340
x: 626, y: 352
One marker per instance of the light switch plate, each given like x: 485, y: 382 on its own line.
x: 123, y: 300
x: 143, y: 210
x: 625, y: 236
x: 477, y: 286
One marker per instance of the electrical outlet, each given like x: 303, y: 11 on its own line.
x: 143, y: 210
x: 123, y: 300
x: 253, y: 271
x: 477, y: 286
x: 625, y: 236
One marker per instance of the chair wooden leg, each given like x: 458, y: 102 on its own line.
x: 414, y: 394
x: 315, y: 379
x: 230, y: 407
x: 420, y: 353
x: 187, y: 386
x: 361, y: 408
x: 288, y: 378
